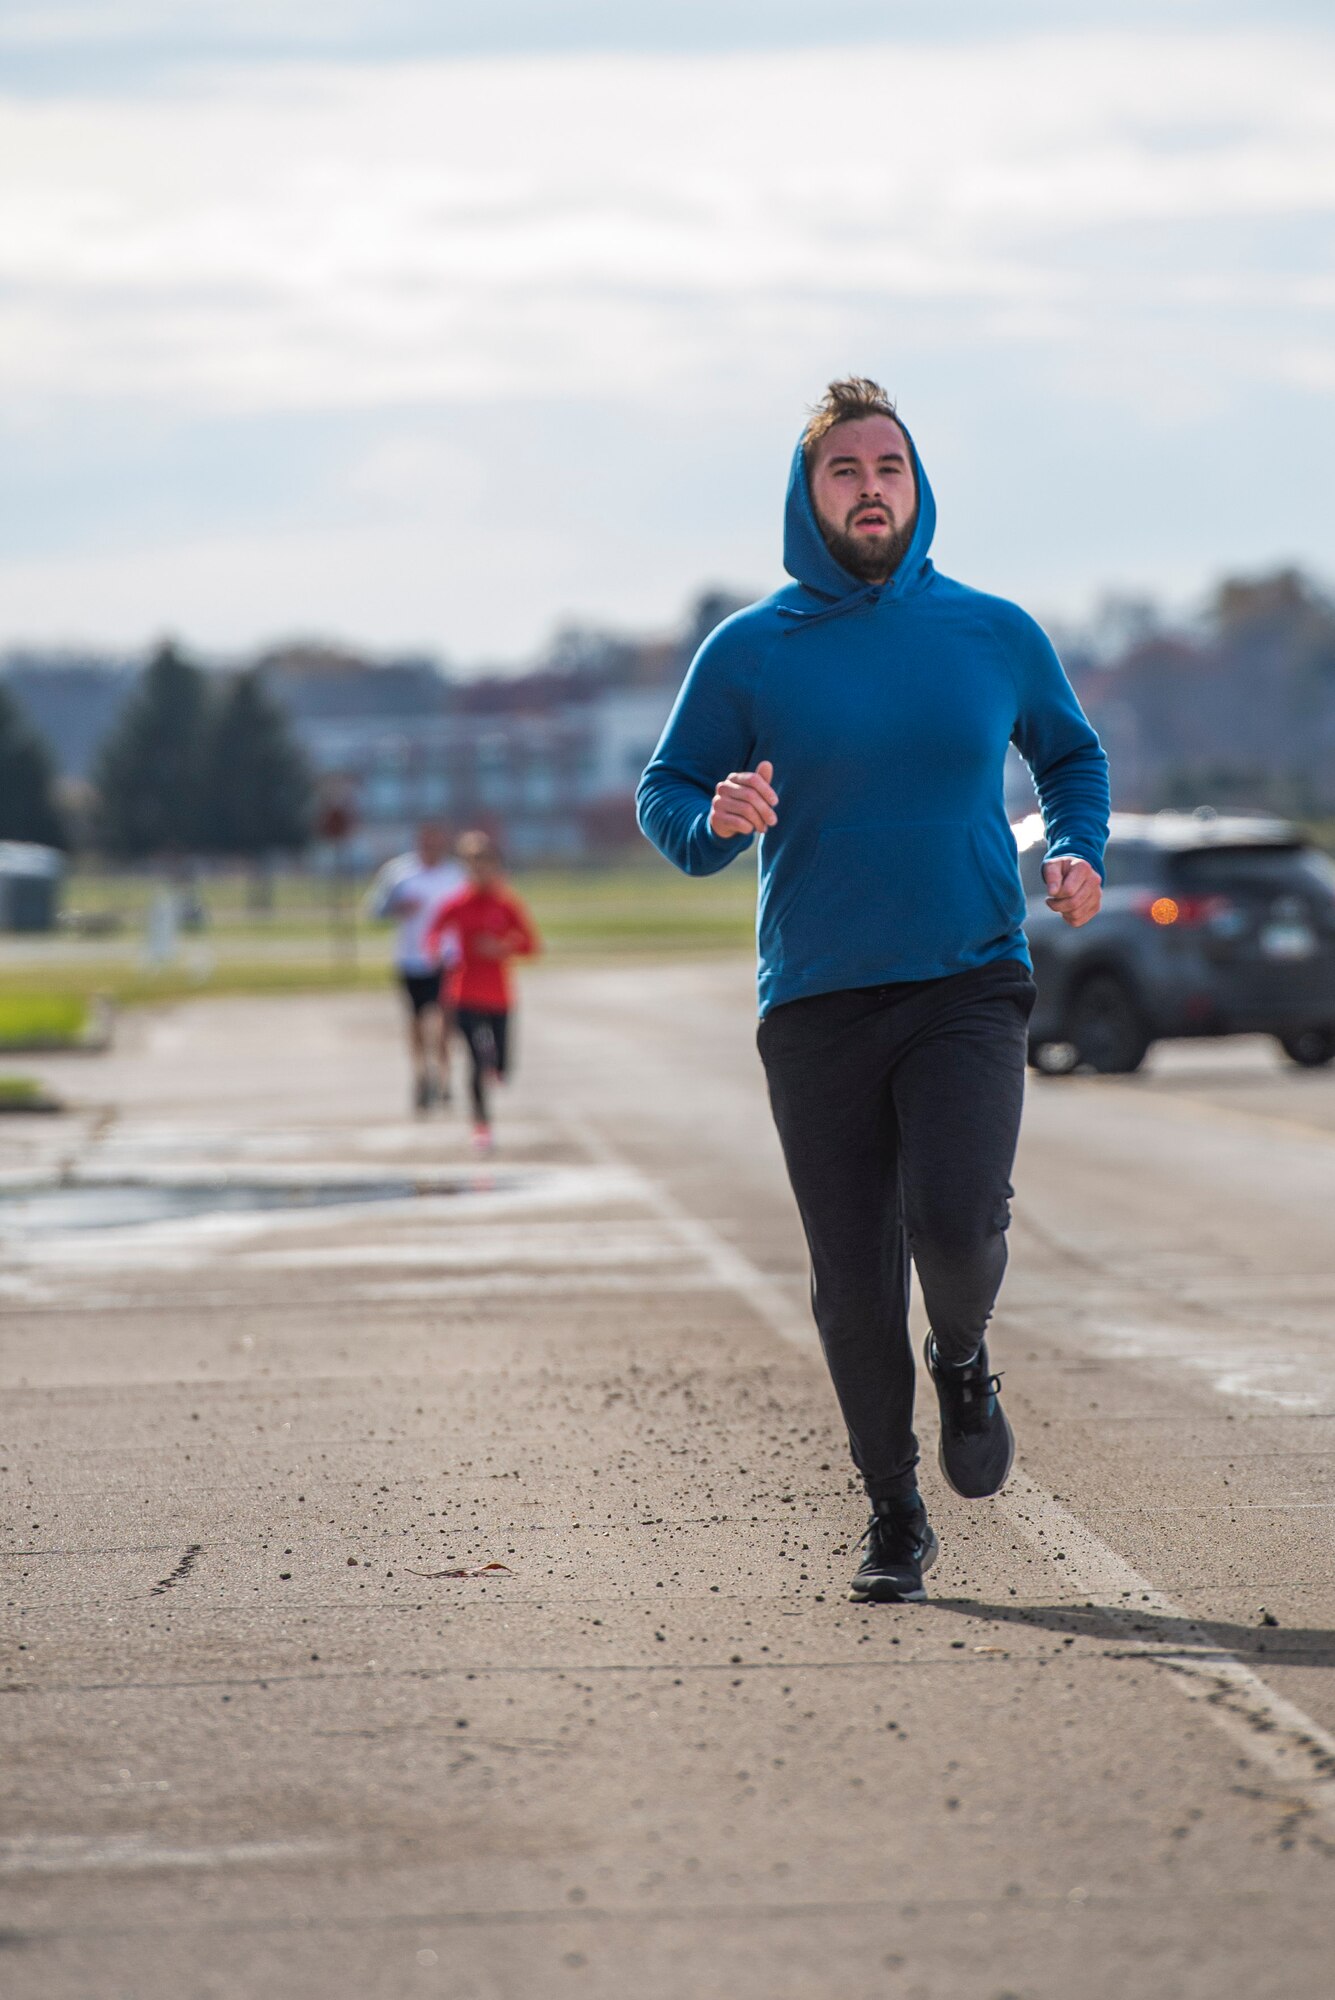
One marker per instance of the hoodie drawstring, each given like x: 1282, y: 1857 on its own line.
x: 804, y: 620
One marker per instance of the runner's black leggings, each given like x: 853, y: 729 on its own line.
x: 487, y: 1036
x: 898, y: 1109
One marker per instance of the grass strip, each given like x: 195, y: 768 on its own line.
x: 645, y: 911
x: 52, y: 1017
x: 20, y: 1090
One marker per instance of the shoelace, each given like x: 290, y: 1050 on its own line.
x: 972, y: 1409
x: 887, y: 1524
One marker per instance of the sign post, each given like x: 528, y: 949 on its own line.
x: 334, y: 824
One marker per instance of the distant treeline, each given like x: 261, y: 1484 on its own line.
x: 1238, y: 710
x: 191, y: 763
x: 1234, y: 709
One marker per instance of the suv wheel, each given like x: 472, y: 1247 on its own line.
x: 1310, y: 1048
x: 1106, y: 1026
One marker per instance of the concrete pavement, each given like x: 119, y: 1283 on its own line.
x: 257, y: 1742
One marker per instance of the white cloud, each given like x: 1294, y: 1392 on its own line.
x: 283, y: 346
x: 327, y: 237
x: 1309, y: 367
x: 442, y: 579
x: 63, y: 23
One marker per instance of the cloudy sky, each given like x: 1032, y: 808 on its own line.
x: 436, y: 325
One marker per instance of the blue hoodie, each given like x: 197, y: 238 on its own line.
x: 886, y: 710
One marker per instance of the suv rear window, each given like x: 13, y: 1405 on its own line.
x: 1255, y: 867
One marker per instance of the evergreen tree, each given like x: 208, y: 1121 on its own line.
x: 28, y: 809
x: 256, y: 789
x: 148, y: 773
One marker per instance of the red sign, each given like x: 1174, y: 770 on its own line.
x: 336, y: 820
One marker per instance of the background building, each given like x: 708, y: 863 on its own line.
x: 1233, y: 708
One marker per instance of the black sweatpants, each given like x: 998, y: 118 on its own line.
x: 898, y: 1109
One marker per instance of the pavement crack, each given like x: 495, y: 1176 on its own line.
x: 181, y: 1571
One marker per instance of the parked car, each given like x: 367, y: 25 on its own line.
x: 1211, y: 925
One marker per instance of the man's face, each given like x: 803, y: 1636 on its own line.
x: 433, y: 844
x: 863, y: 491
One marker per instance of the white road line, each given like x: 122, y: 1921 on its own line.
x: 1271, y: 1730
x: 733, y: 1270
x: 66, y: 1853
x: 1274, y: 1731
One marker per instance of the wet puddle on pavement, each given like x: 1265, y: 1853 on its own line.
x: 87, y: 1205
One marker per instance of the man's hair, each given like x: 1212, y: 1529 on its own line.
x: 843, y: 403
x: 477, y: 846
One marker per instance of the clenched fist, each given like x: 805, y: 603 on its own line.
x: 744, y: 802
x: 1074, y: 889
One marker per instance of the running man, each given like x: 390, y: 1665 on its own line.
x: 858, y: 722
x: 491, y: 926
x: 411, y: 888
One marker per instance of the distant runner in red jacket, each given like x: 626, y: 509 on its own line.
x: 491, y: 926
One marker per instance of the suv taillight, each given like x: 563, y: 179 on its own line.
x: 1182, y: 912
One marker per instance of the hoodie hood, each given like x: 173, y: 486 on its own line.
x: 807, y: 558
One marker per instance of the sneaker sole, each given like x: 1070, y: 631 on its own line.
x: 882, y: 1592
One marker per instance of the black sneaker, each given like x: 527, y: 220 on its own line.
x: 977, y: 1448
x: 900, y: 1546
x: 422, y: 1094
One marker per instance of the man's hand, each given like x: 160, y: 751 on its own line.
x: 744, y: 802
x: 1074, y: 889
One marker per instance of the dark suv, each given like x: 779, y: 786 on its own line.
x: 1211, y: 925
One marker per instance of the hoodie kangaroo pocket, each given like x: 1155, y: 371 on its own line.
x: 923, y: 895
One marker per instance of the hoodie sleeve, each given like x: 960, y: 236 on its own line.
x: 709, y: 733
x: 1057, y: 742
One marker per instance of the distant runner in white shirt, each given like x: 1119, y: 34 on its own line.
x: 412, y: 887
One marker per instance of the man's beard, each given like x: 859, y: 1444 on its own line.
x: 874, y: 561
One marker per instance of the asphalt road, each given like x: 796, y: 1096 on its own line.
x: 259, y: 1743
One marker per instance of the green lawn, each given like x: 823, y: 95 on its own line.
x: 21, y: 1090
x: 645, y: 908
x: 43, y: 1017
x: 645, y: 903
